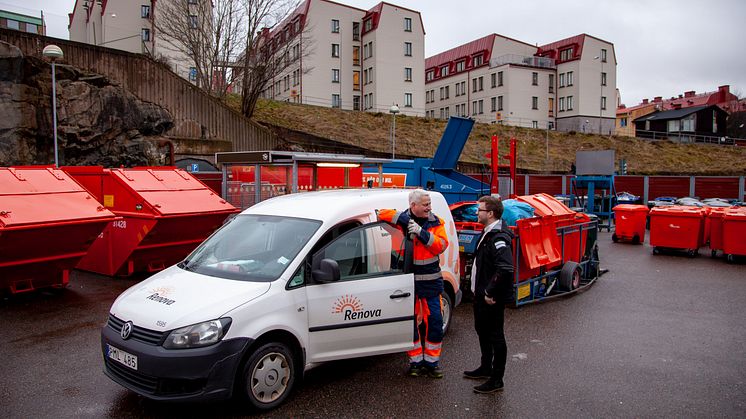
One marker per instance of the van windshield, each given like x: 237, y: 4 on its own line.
x: 252, y: 248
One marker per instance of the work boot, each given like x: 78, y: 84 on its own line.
x: 434, y: 372
x: 478, y: 373
x: 416, y: 370
x: 489, y: 386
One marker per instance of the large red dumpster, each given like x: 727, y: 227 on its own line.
x: 47, y: 223
x: 630, y: 223
x: 564, y: 221
x: 165, y: 212
x: 714, y: 229
x: 734, y: 233
x: 677, y: 227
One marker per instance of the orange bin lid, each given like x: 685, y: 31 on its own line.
x: 735, y: 214
x: 631, y: 208
x: 545, y: 204
x: 41, y: 195
x: 171, y: 191
x: 679, y: 211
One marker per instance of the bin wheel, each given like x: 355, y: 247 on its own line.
x: 636, y: 239
x: 569, y: 277
x: 691, y: 253
x: 656, y: 251
x: 268, y: 376
x: 446, y: 304
x: 614, y: 238
x: 730, y: 258
x: 713, y: 253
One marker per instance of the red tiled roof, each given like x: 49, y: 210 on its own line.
x: 375, y: 15
x: 466, y: 50
x: 553, y: 50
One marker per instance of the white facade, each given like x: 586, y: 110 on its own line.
x: 126, y: 25
x: 354, y: 59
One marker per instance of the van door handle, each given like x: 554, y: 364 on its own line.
x: 396, y: 296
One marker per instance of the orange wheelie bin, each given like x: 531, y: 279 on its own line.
x: 630, y: 223
x: 677, y: 228
x: 734, y: 233
x: 714, y: 229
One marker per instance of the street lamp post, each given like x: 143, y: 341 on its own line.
x: 393, y: 110
x: 600, y: 99
x: 53, y: 52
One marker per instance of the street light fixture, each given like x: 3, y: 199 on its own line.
x: 53, y: 52
x: 393, y: 110
x: 600, y: 99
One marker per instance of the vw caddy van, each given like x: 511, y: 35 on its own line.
x: 289, y: 283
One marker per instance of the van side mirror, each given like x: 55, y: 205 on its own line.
x: 327, y: 271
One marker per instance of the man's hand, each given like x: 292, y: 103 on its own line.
x: 414, y: 228
x: 489, y: 300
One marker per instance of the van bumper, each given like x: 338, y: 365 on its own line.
x: 199, y: 374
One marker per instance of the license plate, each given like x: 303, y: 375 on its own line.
x: 124, y: 358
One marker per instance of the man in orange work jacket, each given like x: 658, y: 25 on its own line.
x: 430, y: 240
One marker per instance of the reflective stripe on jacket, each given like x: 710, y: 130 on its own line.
x: 430, y: 243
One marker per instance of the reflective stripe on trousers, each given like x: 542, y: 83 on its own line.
x: 428, y: 311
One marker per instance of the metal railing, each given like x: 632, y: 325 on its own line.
x: 531, y: 61
x: 687, y: 138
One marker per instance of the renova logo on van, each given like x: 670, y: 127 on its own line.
x: 353, y: 308
x: 159, y: 295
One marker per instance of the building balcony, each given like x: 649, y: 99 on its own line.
x: 530, y: 61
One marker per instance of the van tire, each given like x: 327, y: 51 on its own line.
x: 268, y: 376
x: 446, y: 310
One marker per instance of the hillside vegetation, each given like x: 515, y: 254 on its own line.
x: 419, y: 137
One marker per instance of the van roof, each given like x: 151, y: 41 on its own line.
x: 334, y: 204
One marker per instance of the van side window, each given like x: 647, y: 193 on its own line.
x: 372, y: 250
x: 298, y: 278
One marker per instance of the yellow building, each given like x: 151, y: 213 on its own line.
x: 625, y: 116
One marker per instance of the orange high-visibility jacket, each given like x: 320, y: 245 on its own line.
x: 428, y: 245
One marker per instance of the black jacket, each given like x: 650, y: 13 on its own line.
x: 494, y: 263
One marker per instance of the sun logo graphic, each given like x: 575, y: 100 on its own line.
x: 353, y: 308
x: 346, y: 302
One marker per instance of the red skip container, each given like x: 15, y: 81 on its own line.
x: 165, y: 213
x: 630, y: 223
x: 734, y: 233
x: 677, y: 227
x: 47, y: 224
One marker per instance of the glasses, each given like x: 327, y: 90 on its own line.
x: 480, y: 210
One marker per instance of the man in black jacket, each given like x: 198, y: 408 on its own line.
x: 492, y: 285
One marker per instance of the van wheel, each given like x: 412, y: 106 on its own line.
x: 446, y: 303
x: 269, y: 376
x: 569, y: 277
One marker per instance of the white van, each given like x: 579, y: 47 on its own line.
x: 288, y: 283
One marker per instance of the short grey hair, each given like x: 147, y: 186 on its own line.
x: 416, y: 195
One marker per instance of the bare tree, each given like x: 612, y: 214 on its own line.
x: 211, y: 33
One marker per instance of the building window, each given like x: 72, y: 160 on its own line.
x: 335, y: 75
x: 569, y: 103
x: 463, y: 109
x: 366, y: 104
x: 192, y: 74
x: 534, y: 124
x: 31, y: 28
x: 551, y: 83
x: 448, y: 88
x: 561, y: 104
x: 407, y: 100
x: 442, y: 93
x: 499, y: 103
x: 458, y: 89
x: 408, y: 24
x: 367, y: 25
x: 534, y: 79
x: 477, y: 61
x: 335, y: 50
x: 562, y: 80
x: 550, y: 106
x: 444, y: 71
x: 534, y: 102
x: 448, y: 111
x: 408, y: 49
x: 603, y: 102
x: 499, y: 78
x: 569, y: 78
x: 493, y: 102
x: 603, y: 55
x: 356, y: 80
x: 603, y: 79
x: 355, y: 31
x: 356, y: 103
x: 336, y: 102
x: 144, y: 11
x: 356, y: 55
x: 407, y: 74
x: 566, y: 54
x: 145, y: 34
x: 481, y: 83
x: 460, y: 65
x: 493, y: 79
x: 474, y: 107
x: 473, y: 85
x: 429, y: 75
x: 480, y: 104
x: 442, y: 113
x: 13, y: 24
x: 623, y: 122
x: 193, y: 22
x: 335, y: 26
x: 463, y: 87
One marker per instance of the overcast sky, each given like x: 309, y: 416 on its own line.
x: 663, y: 47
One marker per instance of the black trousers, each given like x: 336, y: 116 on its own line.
x: 488, y: 322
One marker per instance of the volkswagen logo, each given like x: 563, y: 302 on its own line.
x: 126, y: 330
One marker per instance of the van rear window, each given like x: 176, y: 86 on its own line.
x: 252, y: 248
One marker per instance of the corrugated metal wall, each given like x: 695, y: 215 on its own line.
x: 153, y: 82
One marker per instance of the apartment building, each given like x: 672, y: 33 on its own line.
x: 350, y: 58
x: 23, y: 23
x: 128, y: 25
x: 496, y: 79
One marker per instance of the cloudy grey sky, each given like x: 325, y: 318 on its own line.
x: 663, y: 47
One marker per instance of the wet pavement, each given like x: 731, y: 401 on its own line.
x: 657, y: 336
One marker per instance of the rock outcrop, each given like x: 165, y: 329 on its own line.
x: 99, y: 122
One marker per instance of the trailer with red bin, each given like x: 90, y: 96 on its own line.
x: 164, y: 214
x: 47, y: 224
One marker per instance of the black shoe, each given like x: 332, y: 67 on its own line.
x: 478, y: 373
x: 434, y: 372
x: 490, y: 386
x: 416, y: 371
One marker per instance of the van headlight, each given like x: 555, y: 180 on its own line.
x: 198, y: 335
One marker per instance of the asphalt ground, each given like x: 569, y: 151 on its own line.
x: 657, y: 336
